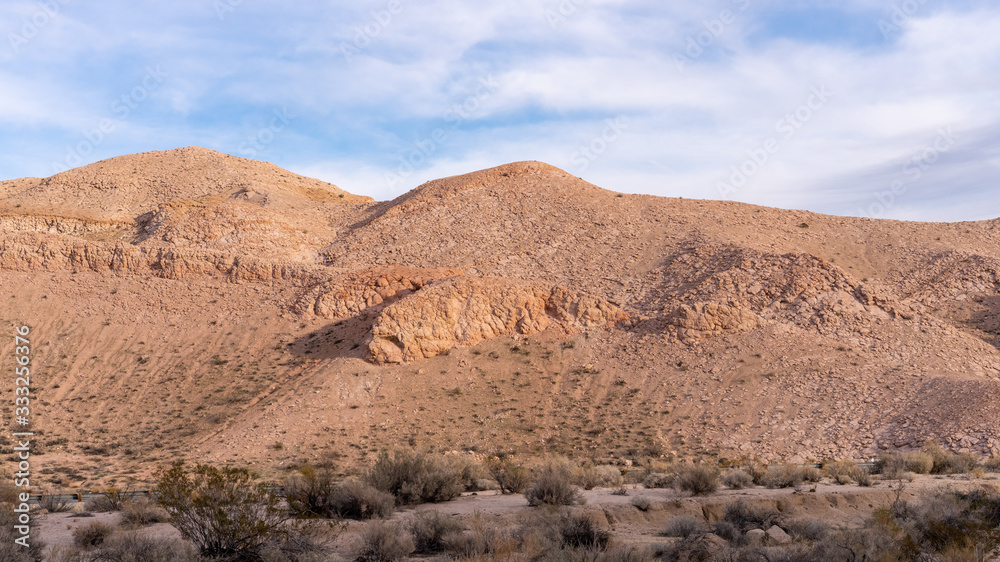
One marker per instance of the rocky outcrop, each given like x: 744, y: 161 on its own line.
x: 705, y: 320
x: 465, y: 311
x: 358, y: 291
x: 45, y: 252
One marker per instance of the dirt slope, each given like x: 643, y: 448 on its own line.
x: 190, y: 304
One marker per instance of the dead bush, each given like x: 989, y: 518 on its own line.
x: 383, y: 542
x: 10, y: 550
x: 511, y: 477
x: 142, y: 512
x: 353, y: 499
x: 92, y: 534
x: 737, y: 479
x: 746, y: 517
x: 553, y: 487
x: 683, y: 526
x: 577, y: 530
x: 432, y: 531
x: 309, y: 492
x: 698, y: 479
x: 658, y: 480
x: 56, y: 502
x: 415, y: 478
x: 992, y: 464
x: 789, y: 476
x: 642, y: 503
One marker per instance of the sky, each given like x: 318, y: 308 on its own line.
x: 877, y: 108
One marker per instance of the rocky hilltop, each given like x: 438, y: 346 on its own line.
x: 193, y: 304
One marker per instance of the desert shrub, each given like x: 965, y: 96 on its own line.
x: 919, y: 462
x: 553, y: 487
x: 658, y: 480
x: 142, y: 512
x: 11, y: 551
x: 698, y: 479
x: 98, y: 504
x: 811, y: 474
x: 746, y: 517
x: 577, y: 530
x: 134, y: 546
x: 729, y: 532
x: 737, y: 479
x: 512, y: 478
x: 431, y: 531
x: 625, y: 553
x: 960, y: 463
x: 92, y: 534
x: 382, y: 542
x: 591, y: 476
x: 222, y: 511
x: 864, y: 478
x: 786, y: 476
x: 683, y: 526
x: 353, y: 499
x: 992, y: 464
x: 483, y: 541
x: 55, y: 503
x: 642, y: 503
x: 756, y: 470
x: 946, y: 462
x: 415, y: 478
x: 474, y: 476
x: 841, y: 472
x: 309, y: 491
x: 808, y: 529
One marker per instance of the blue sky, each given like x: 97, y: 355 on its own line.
x: 888, y: 109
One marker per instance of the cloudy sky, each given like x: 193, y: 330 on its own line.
x: 881, y: 108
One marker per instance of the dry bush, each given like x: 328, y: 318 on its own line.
x: 415, y: 478
x: 9, y: 550
x: 737, y: 479
x: 808, y: 529
x: 432, y: 531
x: 482, y: 542
x: 92, y: 534
x: 919, y: 462
x: 309, y: 491
x: 946, y: 462
x: 642, y: 503
x: 745, y: 517
x: 658, y: 480
x: 577, y: 530
x: 134, y: 546
x: 474, y: 475
x: 864, y: 478
x: 98, y: 504
x: 511, y: 477
x: 683, y: 526
x: 353, y: 499
x: 604, y: 476
x: 142, y: 512
x: 55, y: 503
x: 789, y: 476
x: 226, y: 514
x: 698, y: 479
x: 382, y: 542
x: 992, y: 464
x: 553, y: 487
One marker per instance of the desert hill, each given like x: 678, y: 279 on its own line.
x: 190, y: 304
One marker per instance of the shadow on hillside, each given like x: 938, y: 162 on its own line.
x: 346, y: 338
x: 986, y: 321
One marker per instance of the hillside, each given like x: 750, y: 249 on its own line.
x: 190, y: 304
